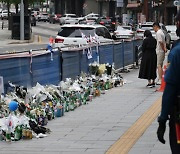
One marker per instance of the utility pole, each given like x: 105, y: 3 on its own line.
x: 145, y: 10
x: 22, y: 21
x: 177, y: 4
x: 165, y: 12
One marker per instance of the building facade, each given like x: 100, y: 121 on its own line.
x: 152, y: 10
x: 84, y: 7
x: 138, y: 10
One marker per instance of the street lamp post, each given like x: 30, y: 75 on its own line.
x: 22, y: 21
x: 177, y: 4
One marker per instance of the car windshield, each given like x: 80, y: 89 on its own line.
x: 76, y: 31
x: 93, y: 15
x: 127, y: 27
x: 147, y: 27
x: 106, y: 19
x: 72, y: 16
x: 120, y: 28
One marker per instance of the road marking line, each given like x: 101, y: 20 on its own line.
x: 129, y: 138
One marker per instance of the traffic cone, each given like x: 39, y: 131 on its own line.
x: 178, y: 132
x: 163, y: 83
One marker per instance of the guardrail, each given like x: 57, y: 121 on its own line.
x: 29, y: 67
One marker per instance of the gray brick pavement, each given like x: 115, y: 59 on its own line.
x: 93, y: 128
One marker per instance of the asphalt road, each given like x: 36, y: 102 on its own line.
x: 43, y: 29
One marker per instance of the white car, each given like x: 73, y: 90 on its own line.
x: 127, y: 27
x: 4, y: 14
x: 68, y: 19
x: 172, y: 32
x: 43, y: 17
x: 123, y: 33
x: 92, y: 16
x: 79, y: 34
x: 142, y: 27
x: 35, y: 13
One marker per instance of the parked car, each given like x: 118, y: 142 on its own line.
x: 92, y: 16
x: 68, y: 19
x: 54, y: 18
x: 108, y: 23
x: 36, y: 14
x: 4, y: 14
x: 87, y: 21
x: 81, y: 34
x: 33, y: 20
x: 127, y: 27
x: 43, y: 17
x: 142, y: 27
x: 122, y: 33
x: 149, y: 26
x: 172, y: 32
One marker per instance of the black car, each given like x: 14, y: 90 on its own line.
x: 108, y: 23
x: 33, y: 20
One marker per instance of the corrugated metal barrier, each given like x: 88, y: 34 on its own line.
x: 85, y: 61
x: 70, y: 64
x: 118, y: 55
x: 106, y: 54
x: 28, y: 68
x: 46, y: 70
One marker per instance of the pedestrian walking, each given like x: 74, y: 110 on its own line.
x: 160, y: 50
x: 171, y: 97
x: 149, y: 59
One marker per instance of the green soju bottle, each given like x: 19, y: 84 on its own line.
x: 8, y: 135
x: 67, y: 106
x: 17, y: 133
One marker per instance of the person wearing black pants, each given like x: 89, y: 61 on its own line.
x: 170, y: 95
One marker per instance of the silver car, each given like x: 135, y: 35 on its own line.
x: 68, y: 19
x: 172, y: 32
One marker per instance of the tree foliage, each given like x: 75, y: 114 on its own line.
x: 16, y: 2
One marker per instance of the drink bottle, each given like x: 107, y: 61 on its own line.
x: 8, y: 135
x: 18, y: 133
x: 1, y: 134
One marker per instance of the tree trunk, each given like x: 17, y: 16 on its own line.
x: 26, y: 5
x: 8, y: 7
x: 16, y: 6
x: 47, y: 6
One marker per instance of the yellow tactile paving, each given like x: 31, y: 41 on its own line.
x: 129, y: 138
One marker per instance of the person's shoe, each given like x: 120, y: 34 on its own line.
x: 149, y: 85
x: 158, y: 82
x: 152, y: 85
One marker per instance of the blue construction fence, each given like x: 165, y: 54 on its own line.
x: 52, y: 67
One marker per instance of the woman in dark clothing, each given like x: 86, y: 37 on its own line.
x: 149, y: 59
